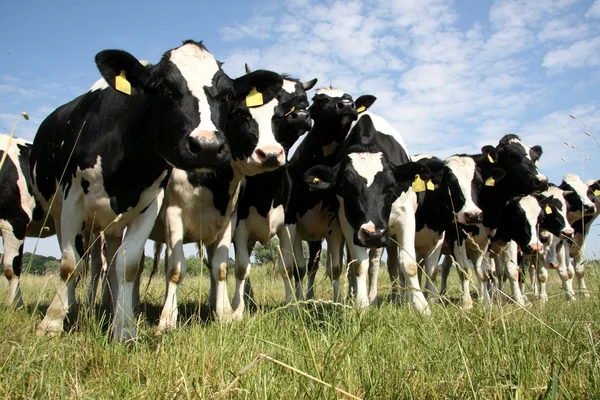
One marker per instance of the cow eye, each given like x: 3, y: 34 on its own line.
x: 237, y: 113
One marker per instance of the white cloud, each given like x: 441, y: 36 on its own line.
x: 594, y: 11
x: 579, y: 54
x: 565, y: 29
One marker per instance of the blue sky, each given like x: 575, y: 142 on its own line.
x: 451, y: 76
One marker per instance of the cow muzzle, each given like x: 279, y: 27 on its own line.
x: 370, y: 237
x: 208, y: 148
x: 270, y: 156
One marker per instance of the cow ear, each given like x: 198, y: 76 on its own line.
x: 536, y: 153
x: 120, y: 70
x: 491, y: 153
x: 407, y: 173
x: 258, y: 87
x: 321, y: 177
x: 496, y: 173
x: 309, y: 84
x: 364, y: 102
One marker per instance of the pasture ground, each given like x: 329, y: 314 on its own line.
x: 390, y: 352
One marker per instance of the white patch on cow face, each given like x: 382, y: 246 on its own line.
x: 463, y: 168
x: 100, y: 84
x: 198, y: 67
x: 417, y: 157
x: 331, y: 92
x: 381, y: 125
x: 580, y: 188
x: 289, y: 86
x: 539, y: 175
x: 266, y: 144
x: 532, y: 210
x: 367, y: 165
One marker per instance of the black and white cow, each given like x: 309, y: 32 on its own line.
x: 20, y: 213
x: 312, y: 214
x: 106, y: 156
x: 451, y: 198
x: 265, y: 197
x: 201, y: 207
x: 469, y: 243
x: 372, y: 182
x: 584, y: 207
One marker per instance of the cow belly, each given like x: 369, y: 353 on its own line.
x: 316, y: 223
x: 426, y: 239
x: 263, y: 228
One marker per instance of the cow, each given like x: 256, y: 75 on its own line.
x: 584, y: 207
x: 100, y: 163
x: 265, y: 197
x: 451, y: 197
x: 20, y: 213
x: 202, y: 208
x: 372, y: 183
x: 312, y: 214
x: 469, y: 243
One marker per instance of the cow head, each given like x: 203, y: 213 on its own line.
x: 554, y: 210
x: 291, y: 119
x: 519, y: 162
x: 334, y: 111
x: 366, y: 184
x: 463, y: 179
x: 181, y: 92
x: 577, y: 196
x: 524, y: 215
x: 251, y: 105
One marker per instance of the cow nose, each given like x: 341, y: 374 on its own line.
x: 536, y: 248
x: 301, y: 115
x: 369, y: 236
x: 587, y: 209
x: 473, y: 217
x: 208, y: 145
x: 567, y: 232
x: 345, y: 104
x: 270, y: 156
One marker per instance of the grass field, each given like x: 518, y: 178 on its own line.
x: 385, y: 352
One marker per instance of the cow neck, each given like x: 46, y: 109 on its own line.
x: 265, y: 191
x: 224, y: 184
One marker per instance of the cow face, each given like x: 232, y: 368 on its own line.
x: 463, y: 178
x: 525, y: 216
x: 519, y: 163
x: 335, y: 111
x: 292, y: 119
x: 366, y: 185
x: 180, y: 93
x: 251, y: 105
x: 554, y: 209
x: 594, y: 192
x: 578, y: 199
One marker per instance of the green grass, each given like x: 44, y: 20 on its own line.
x: 384, y: 352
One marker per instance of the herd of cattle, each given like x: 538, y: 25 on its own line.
x: 178, y: 152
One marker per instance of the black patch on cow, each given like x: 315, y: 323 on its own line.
x: 85, y: 185
x: 79, y: 245
x: 433, y: 210
x: 17, y: 263
x: 263, y: 190
x: 10, y: 201
x: 83, y: 226
x: 218, y: 183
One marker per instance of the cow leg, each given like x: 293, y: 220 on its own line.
x: 335, y: 243
x: 174, y: 269
x: 394, y: 271
x: 127, y: 263
x: 565, y: 271
x: 72, y: 250
x: 314, y: 256
x: 463, y: 270
x: 290, y: 258
x: 12, y: 263
x: 405, y: 235
x: 110, y: 284
x: 95, y: 269
x: 542, y: 277
x: 136, y: 285
x: 374, y: 264
x: 300, y: 270
x: 431, y: 263
x: 242, y: 268
x: 218, y: 256
x: 481, y: 270
x: 579, y: 263
x: 446, y: 266
x: 532, y: 271
x: 360, y: 264
x: 512, y: 270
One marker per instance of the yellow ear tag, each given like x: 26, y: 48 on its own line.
x: 254, y: 98
x: 430, y: 185
x: 289, y: 112
x: 597, y: 192
x: 418, y: 184
x: 316, y: 180
x: 490, y: 158
x: 361, y: 109
x: 548, y: 209
x: 490, y: 181
x: 122, y: 84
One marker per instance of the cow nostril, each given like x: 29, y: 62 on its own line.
x: 261, y: 155
x: 340, y: 105
x: 194, y: 145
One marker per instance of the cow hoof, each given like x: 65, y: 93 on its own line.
x: 50, y: 328
x: 544, y: 299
